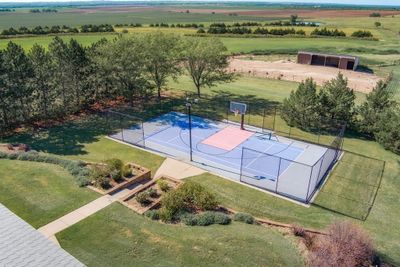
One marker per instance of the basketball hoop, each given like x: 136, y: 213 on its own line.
x: 236, y: 112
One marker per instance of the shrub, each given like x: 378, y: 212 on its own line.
x: 99, y: 177
x: 152, y: 214
x: 102, y: 181
x: 345, y: 245
x: 188, y: 219
x: 166, y: 215
x: 152, y: 192
x: 10, y: 146
x: 206, y: 218
x: 163, y: 185
x: 244, y: 217
x: 114, y: 164
x: 221, y: 218
x: 23, y: 147
x: 298, y: 230
x: 126, y: 171
x: 198, y: 196
x: 143, y: 198
x: 82, y: 181
x: 115, y: 175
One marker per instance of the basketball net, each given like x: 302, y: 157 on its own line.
x: 236, y: 112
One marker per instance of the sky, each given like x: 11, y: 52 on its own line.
x: 361, y: 2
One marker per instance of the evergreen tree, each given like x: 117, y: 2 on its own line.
x: 19, y: 72
x: 301, y: 108
x: 42, y: 82
x: 376, y: 102
x: 387, y: 131
x: 77, y: 70
x: 59, y: 54
x: 337, y: 100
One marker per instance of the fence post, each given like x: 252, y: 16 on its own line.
x: 309, y: 183
x: 144, y: 140
x: 273, y: 126
x: 277, y: 176
x: 263, y: 121
x: 241, y: 165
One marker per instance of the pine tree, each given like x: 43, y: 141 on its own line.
x: 42, y: 82
x: 19, y: 72
x: 337, y: 100
x: 376, y: 102
x: 301, y: 108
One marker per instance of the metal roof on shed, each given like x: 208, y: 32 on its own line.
x: 328, y: 55
x: 22, y: 245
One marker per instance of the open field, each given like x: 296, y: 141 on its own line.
x: 291, y: 71
x: 38, y: 192
x: 117, y: 235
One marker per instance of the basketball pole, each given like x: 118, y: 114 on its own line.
x: 241, y: 121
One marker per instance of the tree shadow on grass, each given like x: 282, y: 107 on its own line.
x: 70, y: 137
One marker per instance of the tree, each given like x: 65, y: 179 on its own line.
x: 19, y: 72
x: 206, y: 62
x: 377, y: 24
x: 301, y: 108
x: 337, y: 99
x: 4, y: 96
x: 345, y: 244
x: 77, y: 66
x: 162, y: 58
x: 293, y: 19
x: 59, y: 53
x: 124, y: 62
x: 376, y: 102
x: 387, y: 129
x: 42, y: 82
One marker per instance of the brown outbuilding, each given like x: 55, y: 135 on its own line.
x: 344, y: 62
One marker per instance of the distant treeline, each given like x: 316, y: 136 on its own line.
x: 39, y: 30
x: 7, y: 10
x: 178, y: 25
x: 44, y: 10
x: 137, y: 25
x: 221, y: 28
x: 244, y: 30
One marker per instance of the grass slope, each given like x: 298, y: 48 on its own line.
x: 38, y: 192
x: 118, y: 236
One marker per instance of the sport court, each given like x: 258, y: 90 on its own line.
x: 261, y: 159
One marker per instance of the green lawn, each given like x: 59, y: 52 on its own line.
x: 85, y: 139
x: 118, y: 236
x: 38, y: 192
x: 381, y: 223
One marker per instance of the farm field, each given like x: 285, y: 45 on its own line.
x: 362, y: 188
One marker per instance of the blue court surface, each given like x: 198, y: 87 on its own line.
x: 169, y: 133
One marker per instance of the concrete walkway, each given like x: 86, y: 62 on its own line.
x: 75, y: 216
x: 177, y: 169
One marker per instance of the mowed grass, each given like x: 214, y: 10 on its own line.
x: 118, y: 236
x: 38, y: 192
x: 84, y: 138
